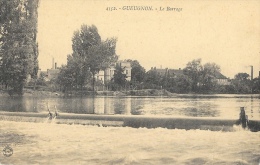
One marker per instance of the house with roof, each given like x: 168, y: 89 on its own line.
x: 107, y: 74
x: 221, y: 79
x: 173, y: 73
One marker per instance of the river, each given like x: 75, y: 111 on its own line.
x: 221, y: 106
x: 50, y: 143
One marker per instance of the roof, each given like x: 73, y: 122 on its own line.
x: 175, y: 71
x: 179, y: 71
x: 218, y: 75
x: 170, y: 71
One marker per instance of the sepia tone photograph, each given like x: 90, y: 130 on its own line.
x: 129, y: 82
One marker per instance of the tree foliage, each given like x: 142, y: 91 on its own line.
x: 153, y: 79
x: 256, y: 85
x: 119, y: 79
x: 193, y: 71
x: 90, y: 55
x: 208, y: 76
x: 242, y: 83
x: 203, y: 77
x: 74, y: 75
x: 137, y: 71
x: 19, y: 49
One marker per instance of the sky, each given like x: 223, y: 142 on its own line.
x: 224, y: 32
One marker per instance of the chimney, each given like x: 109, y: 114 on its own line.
x: 259, y: 74
x: 55, y: 65
x: 252, y: 72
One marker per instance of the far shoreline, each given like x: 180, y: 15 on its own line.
x: 130, y: 93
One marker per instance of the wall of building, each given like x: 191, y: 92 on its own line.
x: 107, y: 74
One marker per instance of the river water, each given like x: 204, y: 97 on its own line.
x: 49, y: 143
x: 221, y: 106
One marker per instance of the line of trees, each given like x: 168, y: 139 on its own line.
x: 91, y: 54
x: 18, y: 45
x: 195, y: 78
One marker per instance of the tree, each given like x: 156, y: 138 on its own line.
x: 74, y: 74
x: 242, y: 76
x: 65, y: 79
x: 208, y: 76
x: 96, y: 54
x: 242, y: 83
x: 153, y: 79
x: 193, y: 71
x: 183, y: 83
x: 137, y: 73
x: 19, y: 48
x: 256, y: 85
x: 119, y: 78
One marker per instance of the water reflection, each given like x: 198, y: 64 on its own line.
x: 227, y: 107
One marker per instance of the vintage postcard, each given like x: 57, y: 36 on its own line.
x: 129, y: 82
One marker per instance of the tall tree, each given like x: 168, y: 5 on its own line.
x: 193, y: 71
x: 19, y: 49
x: 137, y: 71
x: 96, y: 54
x: 137, y: 74
x: 208, y: 76
x: 242, y: 83
x: 119, y: 76
x: 153, y: 79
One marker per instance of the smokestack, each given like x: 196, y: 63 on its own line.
x: 252, y: 72
x: 259, y: 74
x: 55, y: 65
x: 52, y: 63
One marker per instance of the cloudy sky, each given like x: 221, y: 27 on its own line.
x: 224, y: 32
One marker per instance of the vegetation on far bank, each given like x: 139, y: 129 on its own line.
x: 91, y: 54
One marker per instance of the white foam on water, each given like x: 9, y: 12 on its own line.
x: 46, y: 143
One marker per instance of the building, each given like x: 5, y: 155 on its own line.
x: 107, y: 74
x: 221, y: 79
x: 171, y: 73
x: 52, y: 73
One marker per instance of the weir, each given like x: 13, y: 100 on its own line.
x: 214, y: 124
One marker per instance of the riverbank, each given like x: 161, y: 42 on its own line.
x: 134, y: 93
x: 42, y: 93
